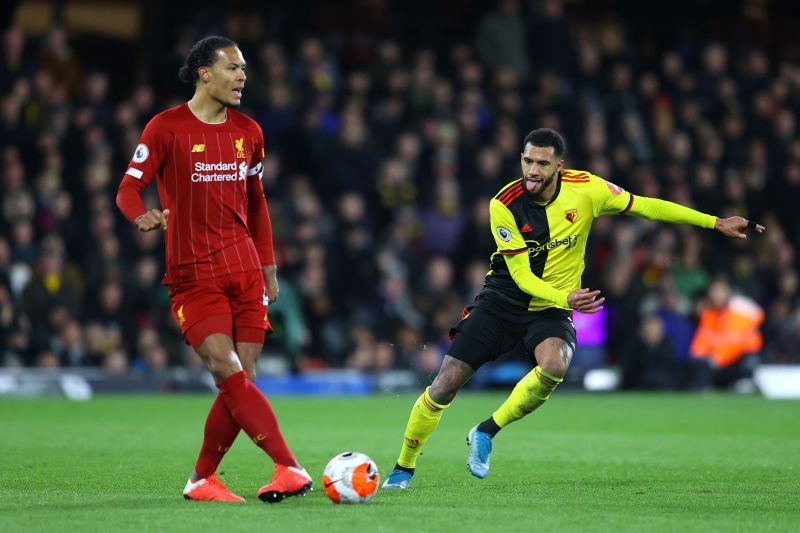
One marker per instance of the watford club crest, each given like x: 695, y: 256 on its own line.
x: 571, y: 215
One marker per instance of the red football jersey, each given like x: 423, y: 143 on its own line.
x: 209, y: 177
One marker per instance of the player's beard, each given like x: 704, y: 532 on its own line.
x: 546, y: 182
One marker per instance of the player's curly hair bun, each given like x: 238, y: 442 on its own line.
x: 202, y: 54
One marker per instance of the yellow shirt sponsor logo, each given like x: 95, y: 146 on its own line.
x: 534, y: 248
x: 197, y: 148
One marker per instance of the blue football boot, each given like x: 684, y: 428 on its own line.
x: 397, y: 479
x: 480, y: 447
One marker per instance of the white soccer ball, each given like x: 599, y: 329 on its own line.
x: 350, y: 477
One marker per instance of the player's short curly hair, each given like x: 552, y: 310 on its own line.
x: 544, y: 137
x: 202, y: 54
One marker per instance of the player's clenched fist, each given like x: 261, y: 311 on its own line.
x: 585, y: 301
x: 153, y: 219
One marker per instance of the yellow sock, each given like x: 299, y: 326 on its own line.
x: 423, y: 420
x: 531, y: 392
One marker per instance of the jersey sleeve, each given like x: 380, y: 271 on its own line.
x: 146, y: 162
x: 666, y: 211
x: 608, y: 198
x: 512, y: 246
x: 255, y: 166
x: 150, y: 153
x: 504, y: 229
x: 258, y: 221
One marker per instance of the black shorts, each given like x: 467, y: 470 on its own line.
x: 491, y: 327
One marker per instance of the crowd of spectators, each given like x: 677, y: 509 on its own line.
x: 378, y: 178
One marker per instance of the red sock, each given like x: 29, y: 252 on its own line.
x: 255, y: 416
x: 220, y: 432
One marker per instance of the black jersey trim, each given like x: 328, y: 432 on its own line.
x: 630, y: 204
x: 555, y: 194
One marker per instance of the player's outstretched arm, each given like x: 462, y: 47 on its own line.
x: 737, y: 227
x: 153, y: 219
x: 665, y: 211
x: 585, y: 301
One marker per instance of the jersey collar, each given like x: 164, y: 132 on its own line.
x: 553, y: 199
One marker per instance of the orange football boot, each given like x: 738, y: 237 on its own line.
x: 209, y: 489
x: 286, y: 481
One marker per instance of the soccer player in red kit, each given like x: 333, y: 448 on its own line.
x: 221, y: 275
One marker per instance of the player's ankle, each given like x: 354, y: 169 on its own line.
x: 489, y: 426
x: 409, y: 469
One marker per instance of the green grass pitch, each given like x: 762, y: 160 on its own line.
x: 582, y: 463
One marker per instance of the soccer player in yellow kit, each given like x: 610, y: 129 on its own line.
x: 540, y: 223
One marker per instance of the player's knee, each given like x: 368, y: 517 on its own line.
x: 249, y: 366
x: 555, y: 366
x: 223, y: 367
x: 442, y: 393
x: 553, y: 356
x: 220, y: 371
x: 451, y: 377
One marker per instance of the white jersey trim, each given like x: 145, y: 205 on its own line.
x: 255, y: 170
x: 135, y: 172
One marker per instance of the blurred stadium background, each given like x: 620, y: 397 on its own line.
x: 389, y: 125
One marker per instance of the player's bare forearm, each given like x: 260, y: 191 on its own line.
x: 270, y: 273
x: 737, y: 227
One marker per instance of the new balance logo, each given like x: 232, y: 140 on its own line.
x: 197, y: 148
x: 525, y: 229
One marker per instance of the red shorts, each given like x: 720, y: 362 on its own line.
x: 232, y: 304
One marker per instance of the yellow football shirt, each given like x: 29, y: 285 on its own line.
x: 554, y: 235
